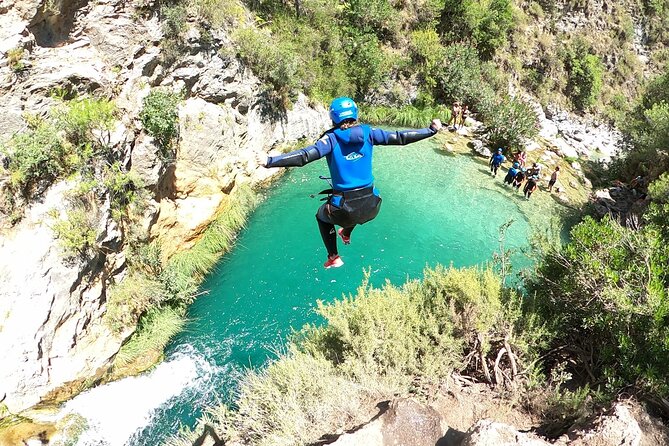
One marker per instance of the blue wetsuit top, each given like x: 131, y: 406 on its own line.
x: 498, y: 159
x: 513, y: 172
x: 349, y: 153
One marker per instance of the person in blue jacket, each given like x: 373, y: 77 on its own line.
x: 348, y: 148
x: 495, y: 161
x: 511, y: 174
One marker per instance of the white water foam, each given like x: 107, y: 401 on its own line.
x: 115, y: 411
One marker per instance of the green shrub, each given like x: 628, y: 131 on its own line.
x: 379, y: 344
x: 509, y: 121
x: 37, y: 155
x: 604, y: 298
x: 585, y: 75
x: 461, y: 77
x: 81, y: 117
x: 160, y: 116
x: 123, y: 187
x: 130, y: 299
x: 15, y: 59
x: 487, y: 23
x: 407, y: 116
x: 77, y: 232
x: 174, y: 25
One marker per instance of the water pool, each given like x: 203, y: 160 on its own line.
x: 437, y: 208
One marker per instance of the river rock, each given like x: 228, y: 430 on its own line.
x: 624, y: 424
x: 478, y: 147
x: 564, y: 149
x: 491, y: 433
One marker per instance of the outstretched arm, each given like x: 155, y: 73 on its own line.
x: 299, y: 158
x: 403, y: 137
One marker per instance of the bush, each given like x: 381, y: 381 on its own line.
x: 486, y: 23
x: 407, y: 116
x: 461, y: 77
x: 160, y: 116
x: 130, y: 299
x: 585, y: 75
x: 35, y: 156
x: 77, y: 232
x: 509, y: 122
x: 153, y: 334
x: 604, y: 298
x: 81, y: 117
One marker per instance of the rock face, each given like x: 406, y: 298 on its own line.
x: 52, y: 333
x: 51, y: 327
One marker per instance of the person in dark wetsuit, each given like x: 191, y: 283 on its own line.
x: 519, y: 178
x: 530, y: 186
x: 511, y: 174
x: 348, y: 148
x: 496, y: 160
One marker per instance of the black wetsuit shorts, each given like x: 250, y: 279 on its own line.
x: 350, y: 208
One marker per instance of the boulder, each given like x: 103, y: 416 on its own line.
x: 405, y: 423
x: 624, y: 424
x: 478, y: 147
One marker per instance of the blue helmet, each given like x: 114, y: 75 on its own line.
x: 343, y: 108
x: 516, y: 165
x: 499, y: 150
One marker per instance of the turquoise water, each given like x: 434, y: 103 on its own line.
x: 437, y: 208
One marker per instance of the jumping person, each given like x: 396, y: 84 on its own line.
x: 348, y: 148
x: 495, y: 161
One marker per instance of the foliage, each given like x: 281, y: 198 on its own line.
x: 131, y: 298
x: 487, y: 23
x: 153, y: 333
x: 462, y: 76
x: 407, y: 116
x: 658, y: 213
x: 604, y: 297
x: 174, y: 26
x: 159, y: 117
x: 124, y: 188
x: 15, y: 59
x: 509, y: 121
x: 77, y: 232
x: 82, y: 117
x: 585, y: 75
x: 35, y: 156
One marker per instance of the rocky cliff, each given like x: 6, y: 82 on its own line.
x: 52, y: 334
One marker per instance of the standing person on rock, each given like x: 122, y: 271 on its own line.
x: 348, y: 148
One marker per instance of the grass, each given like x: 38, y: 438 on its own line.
x: 156, y: 292
x: 145, y: 348
x: 407, y: 116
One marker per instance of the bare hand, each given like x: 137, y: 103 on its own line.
x: 436, y: 124
x: 260, y: 159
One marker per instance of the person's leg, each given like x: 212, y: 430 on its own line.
x: 345, y: 234
x: 329, y: 236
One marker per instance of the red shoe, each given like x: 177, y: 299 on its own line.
x: 333, y: 262
x: 346, y: 240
